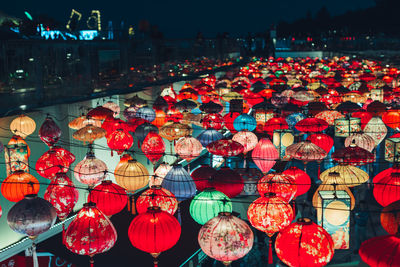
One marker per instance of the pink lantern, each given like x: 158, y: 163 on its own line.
x: 90, y: 170
x: 188, y: 148
x: 264, y: 155
x: 248, y: 139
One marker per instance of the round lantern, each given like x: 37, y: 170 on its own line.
x: 226, y: 238
x: 90, y: 233
x: 381, y: 251
x: 51, y: 163
x: 390, y: 217
x: 202, y: 177
x: 131, y: 175
x: 312, y: 125
x: 175, y: 130
x: 154, y: 231
x: 322, y: 140
x: 179, y: 182
x: 301, y: 179
x: 304, y: 243
x: 387, y: 188
x: 229, y: 118
x: 82, y: 121
x: 64, y: 154
x: 19, y: 184
x: 144, y: 129
x: 22, y: 126
x: 110, y: 198
x: 188, y: 148
x: 306, y: 151
x: 157, y: 196
x: 270, y: 214
x: 62, y: 194
x: 245, y: 122
x: 90, y: 170
x: 208, y: 136
x: 361, y: 140
x: 264, y: 155
x: 353, y: 155
x: 49, y: 132
x: 376, y: 129
x: 120, y: 141
x: 100, y: 113
x: 351, y: 176
x: 31, y: 216
x: 247, y: 139
x: 159, y: 174
x: 114, y: 107
x: 153, y: 147
x: 208, y: 204
x: 391, y: 118
x: 146, y: 113
x: 275, y: 124
x: 280, y: 184
x: 89, y: 133
x: 160, y: 119
x: 213, y: 120
x: 225, y: 148
x: 227, y: 181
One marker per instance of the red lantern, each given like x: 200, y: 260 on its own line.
x: 304, y: 244
x: 64, y: 154
x: 275, y: 124
x: 110, y: 198
x: 322, y: 140
x: 119, y: 141
x: 49, y: 132
x: 213, y: 120
x: 229, y: 119
x: 280, y: 184
x: 392, y: 118
x: 157, y: 196
x: 153, y: 147
x: 227, y: 181
x: 353, y: 155
x: 112, y: 124
x: 154, y: 231
x: 202, y: 177
x: 390, y: 217
x: 225, y: 148
x: 312, y: 125
x: 264, y: 155
x: 62, y: 194
x: 90, y: 233
x: 382, y: 251
x: 301, y: 178
x: 387, y: 189
x: 365, y: 117
x: 51, y: 163
x: 100, y: 113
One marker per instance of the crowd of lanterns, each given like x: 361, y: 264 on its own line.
x: 269, y: 112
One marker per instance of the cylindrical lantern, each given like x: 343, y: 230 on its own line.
x: 226, y: 238
x: 282, y: 139
x: 208, y: 204
x: 344, y: 127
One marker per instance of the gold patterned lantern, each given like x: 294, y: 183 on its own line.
x: 392, y: 150
x: 175, y: 130
x: 351, y: 175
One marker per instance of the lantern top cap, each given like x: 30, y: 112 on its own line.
x: 89, y: 205
x: 334, y: 174
x: 209, y: 189
x: 107, y: 182
x: 154, y: 209
x: 132, y: 161
x: 30, y: 196
x: 304, y: 220
x: 157, y: 186
x: 225, y: 213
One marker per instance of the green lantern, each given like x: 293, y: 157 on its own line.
x: 208, y: 204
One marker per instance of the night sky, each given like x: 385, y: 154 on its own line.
x: 178, y: 18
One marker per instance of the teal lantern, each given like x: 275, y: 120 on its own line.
x: 245, y: 122
x: 208, y: 204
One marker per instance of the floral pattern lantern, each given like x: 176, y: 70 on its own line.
x: 301, y: 179
x: 188, y: 148
x: 213, y: 120
x: 376, y: 129
x: 208, y: 136
x: 157, y: 196
x: 62, y: 194
x: 153, y: 147
x: 22, y: 126
x: 110, y: 198
x: 131, y: 175
x: 247, y: 139
x: 264, y: 155
x: 225, y: 148
x: 381, y: 251
x: 304, y: 243
x: 154, y: 231
x: 306, y: 151
x: 90, y: 170
x: 329, y: 116
x: 179, y: 182
x: 51, y: 163
x: 90, y: 233
x: 344, y: 127
x: 120, y: 141
x: 226, y: 238
x: 208, y: 204
x: 49, y: 132
x: 16, y: 155
x: 19, y: 184
x: 280, y: 184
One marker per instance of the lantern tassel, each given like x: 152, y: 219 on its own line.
x: 63, y: 233
x: 34, y: 256
x: 319, y: 169
x: 179, y: 216
x: 155, y: 263
x: 270, y: 259
x: 91, y: 261
x: 294, y: 208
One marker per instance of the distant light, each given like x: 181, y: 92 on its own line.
x: 23, y: 107
x: 19, y: 71
x: 31, y: 59
x: 28, y: 15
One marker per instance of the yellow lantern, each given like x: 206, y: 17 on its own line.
x: 351, y: 175
x: 131, y: 175
x: 23, y: 126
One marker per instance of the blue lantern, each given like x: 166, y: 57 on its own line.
x: 146, y: 113
x: 179, y: 182
x: 143, y: 130
x: 294, y: 118
x: 245, y: 122
x: 208, y: 136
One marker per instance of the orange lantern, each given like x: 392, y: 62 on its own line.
x: 17, y: 185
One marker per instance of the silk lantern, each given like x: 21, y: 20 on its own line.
x: 390, y: 218
x: 226, y: 238
x: 109, y: 198
x: 225, y: 148
x: 392, y: 150
x: 247, y: 139
x: 179, y: 182
x: 153, y: 147
x: 154, y: 231
x: 245, y: 122
x: 376, y: 129
x: 344, y: 127
x: 90, y: 233
x: 19, y: 184
x: 51, y: 163
x: 322, y: 140
x: 90, y: 170
x: 387, y: 187
x: 301, y: 179
x: 213, y: 120
x: 89, y: 133
x: 351, y: 175
x: 114, y: 107
x: 157, y: 196
x: 208, y: 136
x: 312, y: 125
x: 146, y: 113
x: 131, y: 175
x: 100, y: 113
x: 280, y: 184
x: 229, y: 118
x: 306, y: 151
x: 22, y: 126
x: 16, y: 155
x: 208, y: 204
x: 159, y: 174
x: 202, y: 177
x: 282, y: 139
x: 381, y: 251
x: 264, y: 155
x: 304, y: 244
x: 227, y: 181
x: 49, y: 132
x: 120, y: 141
x: 188, y: 148
x: 360, y: 139
x: 391, y: 118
